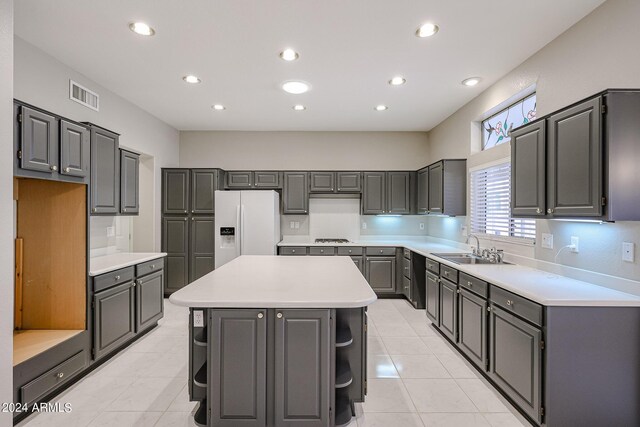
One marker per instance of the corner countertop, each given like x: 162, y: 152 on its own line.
x: 106, y: 263
x: 267, y: 281
x: 545, y: 288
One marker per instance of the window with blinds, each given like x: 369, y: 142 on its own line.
x: 490, y: 193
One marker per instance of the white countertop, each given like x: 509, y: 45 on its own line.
x: 537, y: 285
x: 107, y: 263
x: 267, y: 281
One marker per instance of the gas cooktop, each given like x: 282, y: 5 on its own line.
x: 329, y: 240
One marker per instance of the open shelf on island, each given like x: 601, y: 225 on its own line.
x: 200, y: 417
x: 343, y: 336
x: 343, y: 410
x: 200, y: 378
x: 343, y: 374
x: 200, y: 338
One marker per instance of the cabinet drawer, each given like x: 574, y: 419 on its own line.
x: 344, y: 250
x: 322, y: 250
x: 513, y: 303
x: 113, y: 278
x: 406, y: 285
x: 478, y: 286
x: 381, y: 251
x: 406, y: 267
x: 407, y: 253
x: 433, y: 266
x: 449, y: 273
x: 293, y: 250
x: 149, y: 267
x: 51, y: 379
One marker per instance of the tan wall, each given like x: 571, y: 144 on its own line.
x: 304, y: 150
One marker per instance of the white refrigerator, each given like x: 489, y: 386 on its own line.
x: 247, y: 223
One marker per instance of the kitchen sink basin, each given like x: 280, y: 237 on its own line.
x: 466, y: 258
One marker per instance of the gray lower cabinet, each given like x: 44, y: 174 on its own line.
x: 528, y: 171
x: 38, y: 140
x: 423, y: 191
x: 295, y: 198
x: 202, y: 250
x: 105, y: 171
x: 114, y: 321
x: 204, y: 183
x: 149, y: 300
x: 175, y: 242
x: 472, y: 327
x: 303, y: 374
x: 380, y: 272
x: 515, y: 356
x: 129, y: 183
x: 74, y: 150
x: 449, y: 309
x: 433, y: 298
x: 349, y: 182
x: 175, y: 191
x: 237, y: 376
x: 374, y: 196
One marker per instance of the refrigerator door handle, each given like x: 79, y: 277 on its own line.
x: 242, y: 228
x: 238, y: 232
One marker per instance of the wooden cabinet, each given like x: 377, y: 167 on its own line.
x: 449, y: 309
x: 74, y: 150
x: 433, y: 298
x: 239, y: 179
x: 322, y: 182
x: 387, y: 193
x: 335, y: 182
x: 528, y: 171
x: 472, y: 327
x: 204, y: 183
x: 202, y: 250
x: 129, y: 183
x: 114, y: 321
x: 303, y: 374
x: 374, y: 196
x: 175, y: 191
x: 149, y: 299
x: 105, y: 171
x: 39, y: 141
x: 266, y: 179
x: 175, y: 242
x: 447, y: 183
x: 349, y: 182
x: 423, y: 191
x: 243, y: 180
x: 380, y: 272
x: 296, y: 193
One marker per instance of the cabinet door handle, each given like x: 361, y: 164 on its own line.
x: 321, y: 251
x: 124, y: 210
x: 549, y: 210
x: 509, y: 303
x: 54, y: 168
x: 381, y: 251
x: 60, y: 375
x: 117, y: 278
x: 470, y: 284
x: 67, y: 170
x: 279, y: 315
x: 349, y: 250
x: 457, y: 291
x: 539, y: 210
x: 260, y: 315
x: 293, y: 251
x: 94, y: 210
x: 152, y: 266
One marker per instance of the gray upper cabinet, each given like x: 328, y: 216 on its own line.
x: 175, y: 242
x: 515, y: 356
x: 423, y: 191
x: 447, y: 182
x: 201, y: 256
x: 239, y: 179
x: 266, y: 179
x: 129, y: 184
x: 374, y: 197
x: 175, y: 191
x: 149, y: 300
x: 380, y: 272
x: 204, y: 183
x: 574, y: 169
x: 74, y: 150
x: 296, y: 193
x: 238, y: 372
x: 105, y: 172
x: 349, y: 182
x: 322, y: 182
x: 38, y: 141
x: 528, y: 170
x: 303, y: 374
x: 399, y: 192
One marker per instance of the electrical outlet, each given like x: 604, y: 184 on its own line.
x: 463, y: 231
x: 547, y: 241
x: 575, y: 244
x: 364, y: 225
x: 292, y: 225
x: 111, y: 231
x: 628, y: 251
x: 422, y: 226
x: 297, y: 225
x: 198, y: 319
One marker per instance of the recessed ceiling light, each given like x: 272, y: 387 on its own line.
x: 381, y: 107
x: 427, y: 30
x: 191, y: 79
x: 471, y: 81
x: 289, y: 55
x: 397, y: 81
x: 218, y: 107
x: 141, y: 28
x: 299, y: 107
x: 295, y: 87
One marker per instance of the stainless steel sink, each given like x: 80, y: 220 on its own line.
x: 466, y: 258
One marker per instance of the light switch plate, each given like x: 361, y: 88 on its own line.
x: 364, y: 225
x: 547, y: 241
x: 628, y: 251
x: 198, y: 319
x: 111, y: 231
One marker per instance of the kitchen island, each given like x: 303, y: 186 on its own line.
x: 277, y: 341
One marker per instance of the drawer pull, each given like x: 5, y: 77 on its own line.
x: 117, y: 278
x: 470, y: 284
x: 321, y: 251
x: 60, y: 375
x: 152, y: 266
x: 510, y: 303
x: 349, y: 250
x: 293, y: 251
x: 381, y: 251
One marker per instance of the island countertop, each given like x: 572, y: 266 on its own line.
x: 266, y: 281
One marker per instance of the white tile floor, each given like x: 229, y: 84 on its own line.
x: 415, y: 379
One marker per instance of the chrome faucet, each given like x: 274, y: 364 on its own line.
x: 476, y: 250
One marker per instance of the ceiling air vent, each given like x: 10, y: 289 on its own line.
x: 84, y: 96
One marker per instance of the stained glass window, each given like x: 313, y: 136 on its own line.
x: 497, y: 128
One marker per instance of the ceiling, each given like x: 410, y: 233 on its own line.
x: 348, y: 52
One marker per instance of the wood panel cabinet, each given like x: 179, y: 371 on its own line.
x: 399, y: 192
x: 39, y: 141
x: 296, y: 193
x: 472, y: 327
x: 433, y: 298
x: 74, y: 150
x: 349, y: 182
x: 449, y: 309
x: 149, y: 300
x: 129, y: 183
x: 105, y: 171
x: 423, y: 191
x: 175, y: 191
x: 374, y: 196
x: 380, y: 272
x: 528, y: 171
x: 114, y: 320
x: 266, y: 179
x: 175, y: 242
x: 387, y: 193
x: 204, y: 183
x: 322, y: 182
x: 243, y: 180
x: 202, y: 246
x: 239, y: 179
x: 447, y: 183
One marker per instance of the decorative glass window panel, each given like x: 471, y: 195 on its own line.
x: 497, y: 128
x: 490, y: 193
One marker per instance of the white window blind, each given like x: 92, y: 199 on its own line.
x: 490, y: 205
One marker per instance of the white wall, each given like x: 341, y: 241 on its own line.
x: 598, y: 52
x: 43, y: 81
x: 304, y: 150
x: 6, y: 206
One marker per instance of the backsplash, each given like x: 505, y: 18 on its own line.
x: 405, y: 225
x: 110, y: 234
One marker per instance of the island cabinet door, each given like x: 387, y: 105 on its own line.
x: 302, y: 368
x: 238, y: 371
